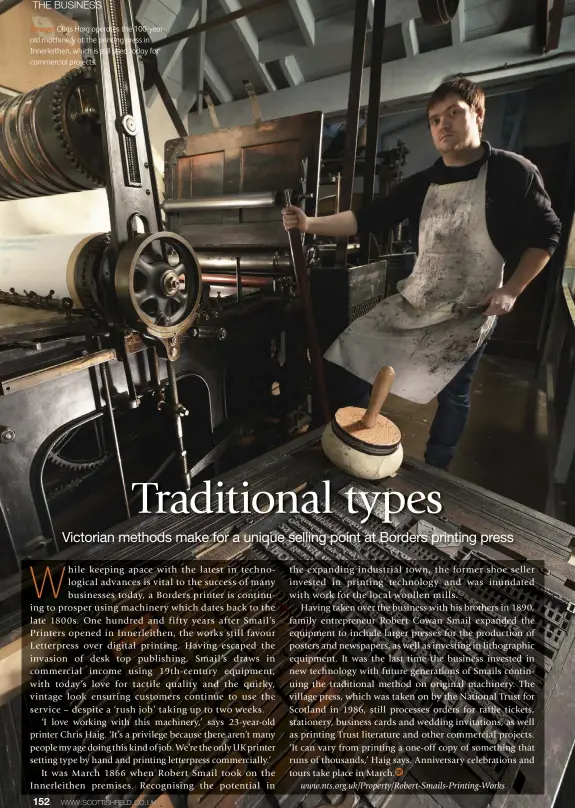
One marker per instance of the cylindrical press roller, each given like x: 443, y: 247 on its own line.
x: 363, y: 442
x: 43, y: 264
x: 50, y: 139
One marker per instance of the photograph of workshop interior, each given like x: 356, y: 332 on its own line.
x: 209, y: 249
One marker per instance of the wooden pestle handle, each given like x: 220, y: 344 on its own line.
x: 379, y: 393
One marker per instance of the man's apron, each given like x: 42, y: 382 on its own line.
x: 416, y: 331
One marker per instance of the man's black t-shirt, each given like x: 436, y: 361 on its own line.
x: 518, y: 210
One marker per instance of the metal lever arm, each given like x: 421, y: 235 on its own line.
x: 300, y: 269
x: 130, y: 179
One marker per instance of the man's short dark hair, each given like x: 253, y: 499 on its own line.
x: 467, y: 90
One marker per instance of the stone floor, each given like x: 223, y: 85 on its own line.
x: 504, y: 446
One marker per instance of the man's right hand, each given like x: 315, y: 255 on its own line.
x: 295, y: 219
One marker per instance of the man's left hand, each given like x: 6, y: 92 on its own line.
x: 500, y: 302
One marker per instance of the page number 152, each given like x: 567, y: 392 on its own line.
x: 41, y: 800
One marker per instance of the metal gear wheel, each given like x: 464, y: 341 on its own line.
x: 74, y: 104
x: 158, y: 282
x: 57, y: 455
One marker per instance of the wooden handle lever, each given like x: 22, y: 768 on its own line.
x: 379, y: 393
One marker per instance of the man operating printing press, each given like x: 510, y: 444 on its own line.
x: 474, y: 210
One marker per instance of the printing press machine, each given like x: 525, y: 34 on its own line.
x: 156, y: 360
x: 88, y: 399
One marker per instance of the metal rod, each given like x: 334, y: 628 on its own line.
x: 170, y: 106
x: 372, y: 125
x: 155, y: 375
x: 254, y: 281
x: 239, y: 294
x: 327, y: 249
x: 206, y: 26
x: 354, y: 104
x: 213, y: 455
x: 112, y: 422
x: 315, y: 355
x: 133, y: 398
x: 178, y: 412
x: 18, y: 383
x: 251, y: 262
x: 153, y: 477
x: 100, y: 439
x: 267, y: 199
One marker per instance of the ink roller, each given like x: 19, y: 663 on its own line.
x: 362, y: 442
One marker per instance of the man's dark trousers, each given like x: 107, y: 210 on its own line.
x: 451, y: 417
x: 453, y: 403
